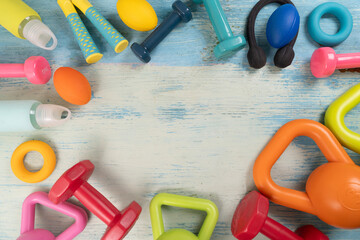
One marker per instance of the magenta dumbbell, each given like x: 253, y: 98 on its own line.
x: 250, y: 218
x: 324, y: 61
x: 36, y: 69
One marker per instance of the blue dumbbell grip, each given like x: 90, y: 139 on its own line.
x: 162, y: 31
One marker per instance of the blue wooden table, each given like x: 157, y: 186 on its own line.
x: 186, y: 123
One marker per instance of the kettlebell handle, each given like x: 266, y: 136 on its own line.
x: 323, y: 138
x: 28, y: 215
x: 183, y: 202
x: 334, y: 118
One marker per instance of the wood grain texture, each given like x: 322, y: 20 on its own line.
x: 185, y: 123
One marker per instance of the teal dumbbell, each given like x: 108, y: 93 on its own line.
x: 228, y: 42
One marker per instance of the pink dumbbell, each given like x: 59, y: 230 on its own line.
x: 36, y: 69
x: 28, y: 219
x: 324, y: 61
x: 250, y: 218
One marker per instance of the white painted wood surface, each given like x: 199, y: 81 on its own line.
x: 184, y: 124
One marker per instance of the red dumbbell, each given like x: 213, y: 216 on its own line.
x: 250, y: 218
x: 74, y: 182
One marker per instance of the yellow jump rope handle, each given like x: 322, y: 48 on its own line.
x: 86, y: 43
x: 112, y: 36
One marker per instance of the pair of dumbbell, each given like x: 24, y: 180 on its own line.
x: 251, y: 218
x: 74, y: 183
x: 228, y: 42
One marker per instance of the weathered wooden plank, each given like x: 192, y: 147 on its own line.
x: 186, y: 123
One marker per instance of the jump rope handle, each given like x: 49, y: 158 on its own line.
x: 112, y: 36
x: 89, y: 49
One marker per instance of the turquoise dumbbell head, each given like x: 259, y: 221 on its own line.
x: 228, y: 42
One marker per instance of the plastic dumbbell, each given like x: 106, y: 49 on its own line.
x: 325, y: 61
x: 228, y: 42
x: 36, y: 69
x: 181, y: 13
x: 74, y: 182
x: 250, y: 218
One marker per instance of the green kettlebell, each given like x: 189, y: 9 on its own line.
x: 182, y: 202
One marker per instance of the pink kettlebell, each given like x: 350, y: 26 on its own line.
x: 28, y: 218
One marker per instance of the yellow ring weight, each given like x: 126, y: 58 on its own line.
x: 17, y: 161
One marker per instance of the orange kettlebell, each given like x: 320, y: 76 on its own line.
x: 332, y: 190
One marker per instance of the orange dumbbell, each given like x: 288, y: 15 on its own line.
x: 332, y: 190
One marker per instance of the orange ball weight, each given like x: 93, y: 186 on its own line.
x: 72, y: 86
